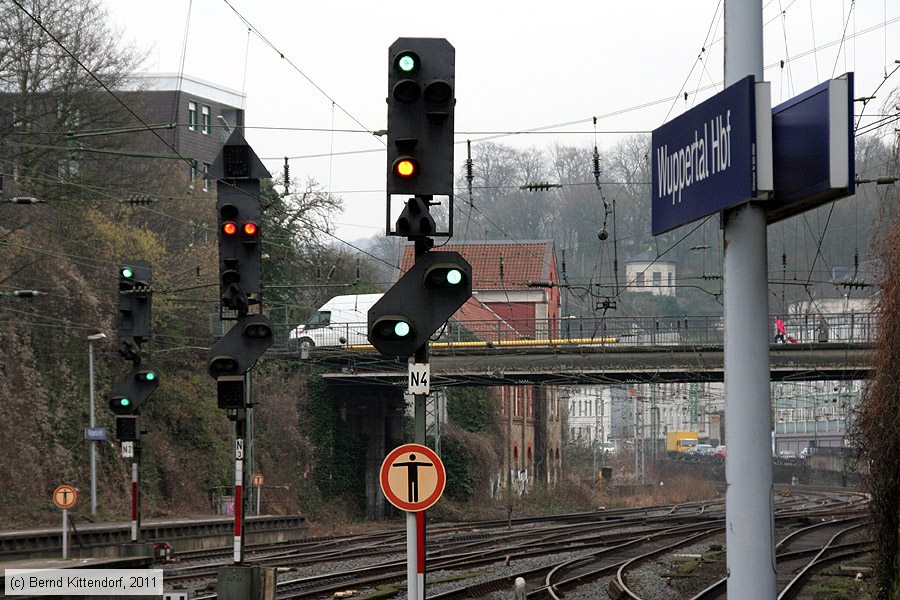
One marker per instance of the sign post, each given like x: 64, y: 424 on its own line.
x: 240, y: 433
x: 413, y: 478
x: 258, y: 481
x: 749, y: 520
x: 64, y: 497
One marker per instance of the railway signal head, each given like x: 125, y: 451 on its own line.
x: 238, y: 350
x: 416, y: 220
x: 240, y: 256
x: 238, y: 171
x: 135, y: 299
x: 421, y: 301
x: 127, y: 397
x: 421, y: 79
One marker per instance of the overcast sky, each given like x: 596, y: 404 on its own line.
x: 519, y: 66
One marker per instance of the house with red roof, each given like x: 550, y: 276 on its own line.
x: 501, y: 274
x: 504, y: 307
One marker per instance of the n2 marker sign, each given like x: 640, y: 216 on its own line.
x: 715, y: 156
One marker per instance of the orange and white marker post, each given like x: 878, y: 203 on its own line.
x: 64, y: 497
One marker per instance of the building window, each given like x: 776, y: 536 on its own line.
x: 192, y: 116
x: 207, y: 122
x: 670, y: 279
x: 206, y: 177
x: 639, y: 279
x: 657, y: 279
x: 193, y: 171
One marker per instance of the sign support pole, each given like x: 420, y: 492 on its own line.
x: 65, y: 533
x: 417, y: 583
x: 240, y: 426
x: 749, y: 523
x: 93, y: 444
x: 420, y: 556
x: 136, y: 493
x: 412, y: 579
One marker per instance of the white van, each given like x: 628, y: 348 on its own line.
x: 341, y: 320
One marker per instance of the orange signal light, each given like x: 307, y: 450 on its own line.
x: 405, y: 168
x: 229, y: 228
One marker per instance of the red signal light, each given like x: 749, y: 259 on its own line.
x: 229, y: 228
x: 250, y: 228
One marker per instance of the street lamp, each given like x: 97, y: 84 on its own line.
x: 91, y: 339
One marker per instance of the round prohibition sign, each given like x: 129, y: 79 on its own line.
x: 64, y: 496
x: 412, y: 477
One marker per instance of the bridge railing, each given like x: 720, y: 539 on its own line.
x: 631, y: 331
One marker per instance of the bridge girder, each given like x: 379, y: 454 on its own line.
x: 601, y: 364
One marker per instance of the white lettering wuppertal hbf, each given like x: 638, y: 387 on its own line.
x: 708, y: 154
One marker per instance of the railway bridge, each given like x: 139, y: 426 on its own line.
x: 608, y: 350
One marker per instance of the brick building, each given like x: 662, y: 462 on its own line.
x: 204, y: 112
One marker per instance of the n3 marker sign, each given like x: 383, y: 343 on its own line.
x: 715, y: 156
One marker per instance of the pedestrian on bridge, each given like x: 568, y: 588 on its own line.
x: 822, y: 329
x: 779, y: 330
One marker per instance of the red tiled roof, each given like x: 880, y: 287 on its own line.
x: 522, y: 261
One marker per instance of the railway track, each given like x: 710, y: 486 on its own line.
x: 555, y: 555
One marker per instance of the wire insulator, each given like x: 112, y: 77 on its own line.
x: 470, y: 172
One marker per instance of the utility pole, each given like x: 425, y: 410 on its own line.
x: 91, y: 339
x: 749, y: 521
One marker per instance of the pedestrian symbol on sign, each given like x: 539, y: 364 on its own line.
x: 412, y: 476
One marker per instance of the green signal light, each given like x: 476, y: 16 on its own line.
x: 124, y: 402
x: 150, y: 376
x: 454, y: 276
x: 127, y: 273
x: 401, y: 329
x: 406, y: 63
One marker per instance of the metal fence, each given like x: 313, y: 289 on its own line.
x: 632, y: 331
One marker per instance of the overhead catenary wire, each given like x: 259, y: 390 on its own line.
x: 332, y: 236
x: 296, y: 68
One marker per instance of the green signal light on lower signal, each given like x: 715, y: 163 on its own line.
x: 406, y: 63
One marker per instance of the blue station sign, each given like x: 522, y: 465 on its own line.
x: 813, y: 149
x: 95, y: 434
x: 705, y: 160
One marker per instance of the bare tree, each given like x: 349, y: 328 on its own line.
x: 53, y: 54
